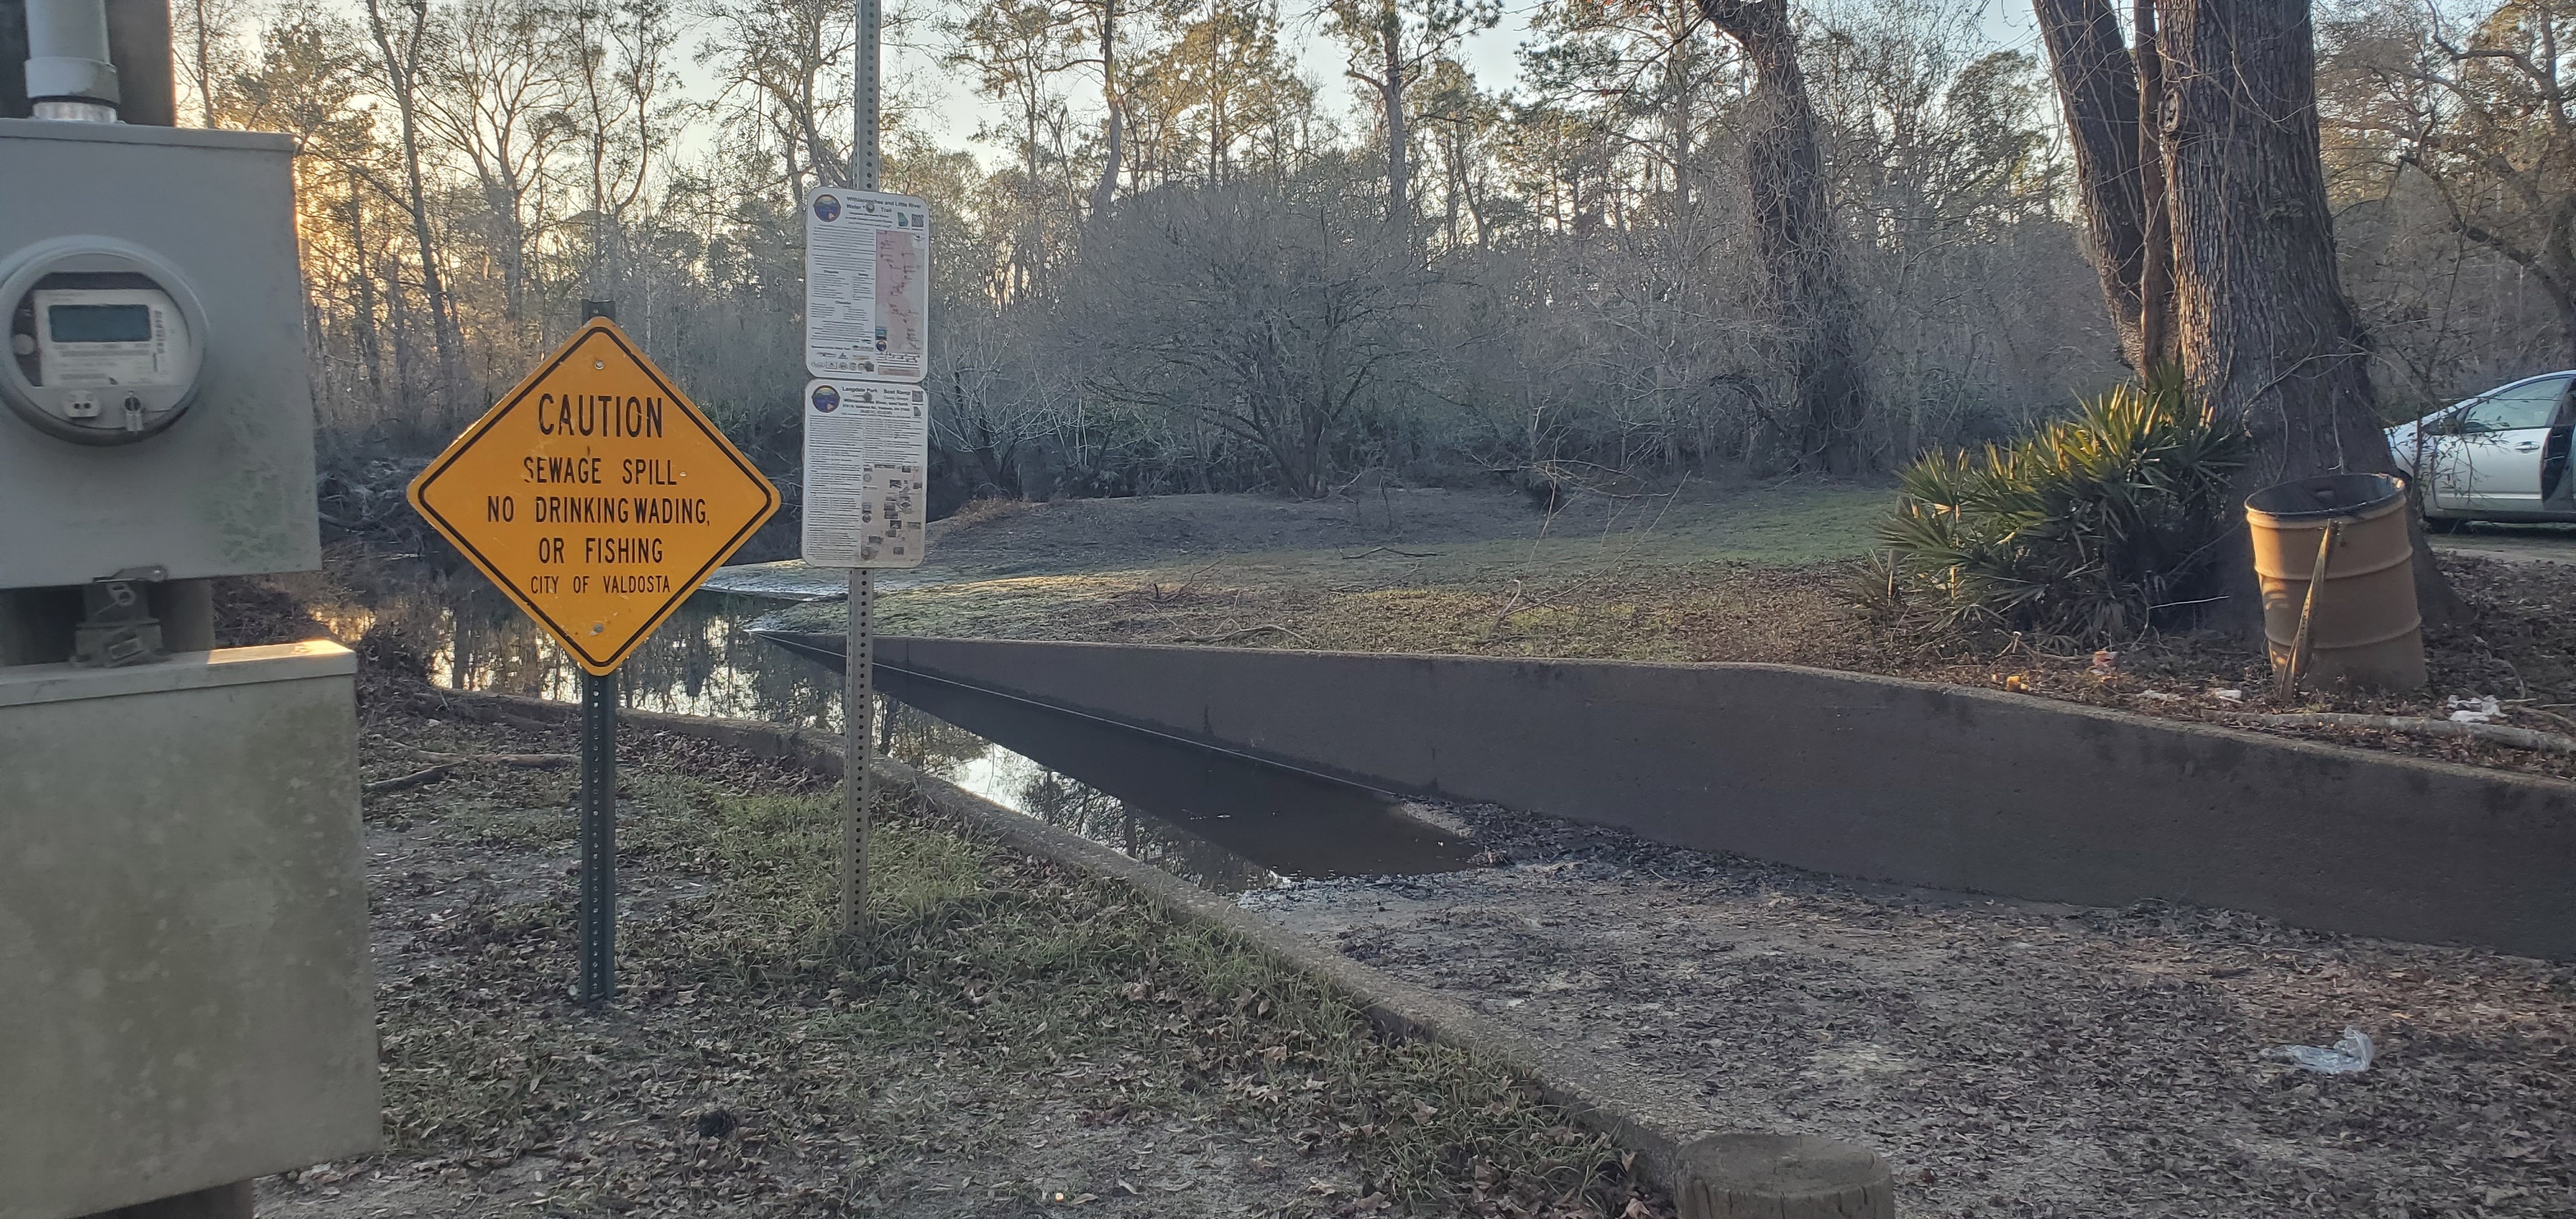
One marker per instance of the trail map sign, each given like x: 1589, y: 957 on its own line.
x: 867, y: 284
x: 596, y: 495
x: 867, y: 473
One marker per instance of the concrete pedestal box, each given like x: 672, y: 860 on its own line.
x: 185, y: 991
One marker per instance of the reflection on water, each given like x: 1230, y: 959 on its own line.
x: 1019, y: 783
x: 1224, y: 822
x: 701, y: 662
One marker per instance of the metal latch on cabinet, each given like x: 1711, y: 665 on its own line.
x: 119, y: 629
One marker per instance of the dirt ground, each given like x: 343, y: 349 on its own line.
x: 2010, y: 1059
x: 2510, y: 543
x: 1013, y: 1040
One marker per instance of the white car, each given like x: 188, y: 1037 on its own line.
x: 2500, y: 456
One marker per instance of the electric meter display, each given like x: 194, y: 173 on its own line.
x: 103, y: 338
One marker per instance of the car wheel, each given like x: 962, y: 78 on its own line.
x: 2442, y: 524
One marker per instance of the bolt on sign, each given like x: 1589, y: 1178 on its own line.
x: 596, y: 495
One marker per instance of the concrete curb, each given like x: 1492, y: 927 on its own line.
x: 1597, y: 1094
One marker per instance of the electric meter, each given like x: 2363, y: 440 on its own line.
x: 104, y: 340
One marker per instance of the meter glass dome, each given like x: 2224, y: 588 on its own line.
x: 105, y: 341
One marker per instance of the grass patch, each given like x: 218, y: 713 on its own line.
x: 752, y: 1059
x: 1711, y: 611
x: 1638, y: 579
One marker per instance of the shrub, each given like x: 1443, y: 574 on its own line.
x: 2093, y: 528
x: 983, y: 511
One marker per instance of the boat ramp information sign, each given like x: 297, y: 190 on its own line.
x: 867, y: 473
x: 867, y: 284
x: 596, y: 495
x: 867, y: 343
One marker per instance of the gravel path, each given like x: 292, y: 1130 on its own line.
x: 2009, y: 1058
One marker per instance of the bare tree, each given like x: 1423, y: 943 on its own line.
x: 1220, y: 93
x: 1391, y: 44
x: 1267, y: 317
x: 1460, y: 117
x: 494, y: 98
x: 1793, y: 214
x: 2487, y: 115
x: 402, y: 51
x: 616, y: 56
x: 1103, y: 16
x: 1017, y: 48
x: 1002, y: 402
x: 781, y: 65
x: 205, y: 37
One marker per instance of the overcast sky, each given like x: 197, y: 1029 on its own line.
x: 954, y: 112
x: 1494, y: 55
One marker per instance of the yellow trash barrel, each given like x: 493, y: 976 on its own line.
x: 2367, y: 631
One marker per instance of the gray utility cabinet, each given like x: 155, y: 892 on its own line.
x: 185, y: 991
x: 186, y: 998
x: 227, y: 488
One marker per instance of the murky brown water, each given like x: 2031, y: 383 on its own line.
x: 1225, y: 822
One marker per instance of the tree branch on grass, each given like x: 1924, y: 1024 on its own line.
x: 2493, y: 734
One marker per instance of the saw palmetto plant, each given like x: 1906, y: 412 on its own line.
x: 2093, y: 528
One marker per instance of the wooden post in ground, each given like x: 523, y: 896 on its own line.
x: 1782, y: 1176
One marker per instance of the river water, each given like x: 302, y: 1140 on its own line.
x: 1225, y: 822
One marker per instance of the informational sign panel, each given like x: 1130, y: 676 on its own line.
x: 867, y: 284
x: 596, y: 495
x: 867, y: 473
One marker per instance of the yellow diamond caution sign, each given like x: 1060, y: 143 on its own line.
x: 596, y: 495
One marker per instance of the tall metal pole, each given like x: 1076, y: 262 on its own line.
x: 598, y: 810
x: 598, y: 838
x: 858, y: 702
x: 863, y: 145
x: 858, y: 782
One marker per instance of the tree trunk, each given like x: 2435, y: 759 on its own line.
x: 205, y: 68
x: 1677, y: 124
x: 1455, y: 173
x: 406, y: 352
x: 2097, y: 90
x: 2264, y: 327
x: 1399, y: 141
x: 402, y: 72
x: 370, y: 348
x: 2156, y: 342
x: 1794, y: 222
x: 1113, y: 131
